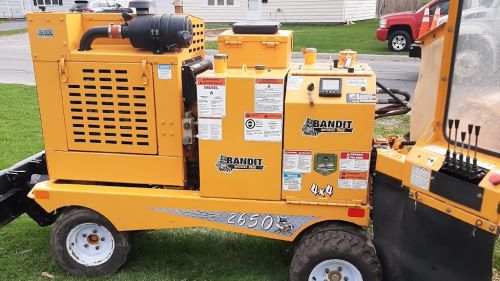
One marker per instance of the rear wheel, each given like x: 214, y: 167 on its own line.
x: 399, y: 41
x: 335, y: 253
x: 85, y: 243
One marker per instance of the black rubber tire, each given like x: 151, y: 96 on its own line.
x: 335, y: 241
x: 403, y: 33
x: 70, y: 218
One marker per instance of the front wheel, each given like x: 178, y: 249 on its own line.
x: 85, y: 243
x: 399, y: 41
x: 335, y: 253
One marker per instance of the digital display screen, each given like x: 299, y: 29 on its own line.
x: 331, y: 84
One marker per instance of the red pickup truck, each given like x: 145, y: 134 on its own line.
x: 401, y: 29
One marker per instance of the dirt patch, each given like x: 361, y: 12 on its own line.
x: 496, y: 275
x: 211, y: 34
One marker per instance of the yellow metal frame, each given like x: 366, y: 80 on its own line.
x: 429, y: 151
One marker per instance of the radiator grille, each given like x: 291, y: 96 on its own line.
x: 198, y: 36
x: 108, y: 109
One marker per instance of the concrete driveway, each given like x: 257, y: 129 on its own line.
x: 12, y: 25
x: 397, y: 72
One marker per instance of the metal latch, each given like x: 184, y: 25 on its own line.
x: 270, y: 44
x: 144, y: 72
x: 62, y: 70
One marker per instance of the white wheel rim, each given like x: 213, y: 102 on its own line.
x: 335, y: 270
x: 90, y: 244
x: 399, y: 42
x: 468, y: 63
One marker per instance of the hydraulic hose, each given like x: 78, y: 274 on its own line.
x: 91, y: 35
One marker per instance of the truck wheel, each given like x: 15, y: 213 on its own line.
x: 399, y: 41
x: 335, y: 253
x: 85, y: 243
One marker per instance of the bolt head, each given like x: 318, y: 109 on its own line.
x: 86, y: 245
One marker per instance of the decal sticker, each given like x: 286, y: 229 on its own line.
x: 420, y: 177
x: 227, y: 164
x: 47, y: 33
x: 268, y: 223
x: 296, y: 161
x: 211, y: 97
x: 313, y: 127
x: 266, y: 127
x: 164, y: 71
x: 354, y: 168
x: 325, y: 164
x: 210, y: 129
x: 353, y: 180
x: 355, y: 161
x: 361, y: 98
x: 357, y: 82
x: 268, y: 95
x: 322, y: 192
x: 292, y: 182
x: 294, y: 82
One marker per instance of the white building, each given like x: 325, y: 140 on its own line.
x: 229, y: 11
x: 285, y: 11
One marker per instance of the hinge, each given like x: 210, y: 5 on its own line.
x: 63, y: 73
x: 144, y: 72
x: 270, y: 44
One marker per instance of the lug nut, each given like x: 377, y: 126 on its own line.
x: 339, y: 268
x: 97, y: 248
x: 327, y: 270
x: 86, y: 245
x: 345, y: 278
x: 84, y: 235
x: 95, y: 231
x: 102, y: 238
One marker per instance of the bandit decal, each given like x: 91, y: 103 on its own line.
x: 313, y: 127
x: 227, y: 164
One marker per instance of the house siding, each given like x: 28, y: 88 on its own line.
x: 360, y: 10
x: 17, y: 9
x: 317, y: 11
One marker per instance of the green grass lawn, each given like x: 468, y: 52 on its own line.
x: 12, y: 32
x: 333, y: 38
x: 171, y: 255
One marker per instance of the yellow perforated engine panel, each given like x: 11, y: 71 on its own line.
x: 107, y: 108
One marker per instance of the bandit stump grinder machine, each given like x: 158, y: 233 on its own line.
x: 142, y: 131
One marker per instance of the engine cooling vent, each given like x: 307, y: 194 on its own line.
x: 108, y: 109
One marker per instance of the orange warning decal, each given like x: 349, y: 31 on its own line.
x: 268, y: 81
x: 353, y: 175
x: 212, y: 81
x: 263, y: 115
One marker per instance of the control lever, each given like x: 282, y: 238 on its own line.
x: 454, y: 162
x: 447, y: 159
x: 461, y: 164
x: 474, y: 165
x: 335, y: 63
x: 310, y: 89
x: 470, y: 129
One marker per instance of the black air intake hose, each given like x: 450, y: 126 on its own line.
x: 91, y: 35
x: 159, y: 33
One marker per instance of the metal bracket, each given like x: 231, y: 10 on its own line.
x: 187, y: 129
x: 144, y: 72
x: 62, y: 70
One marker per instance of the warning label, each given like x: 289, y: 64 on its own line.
x: 353, y: 180
x: 297, y: 161
x: 294, y: 83
x: 269, y: 95
x: 210, y: 129
x: 420, y: 177
x: 263, y: 127
x: 354, y: 161
x: 357, y: 82
x: 211, y: 97
x: 361, y: 98
x: 292, y: 182
x: 353, y: 171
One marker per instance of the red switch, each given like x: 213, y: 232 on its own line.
x: 495, y: 178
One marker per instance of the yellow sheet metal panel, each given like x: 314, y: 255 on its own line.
x: 240, y: 131
x: 123, y: 168
x: 274, y: 51
x: 108, y: 108
x: 328, y: 139
x: 164, y: 208
x: 50, y: 105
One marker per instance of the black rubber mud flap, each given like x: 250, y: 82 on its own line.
x: 15, y: 183
x: 415, y: 242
